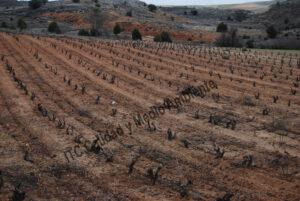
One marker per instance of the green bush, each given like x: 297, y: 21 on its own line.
x: 250, y: 44
x: 163, y: 37
x: 194, y: 12
x: 76, y: 1
x: 222, y: 27
x: 152, y: 7
x: 136, y: 35
x: 83, y: 32
x: 54, y: 28
x: 272, y: 32
x: 34, y: 4
x: 22, y: 24
x: 117, y: 29
x: 4, y: 25
x: 157, y: 38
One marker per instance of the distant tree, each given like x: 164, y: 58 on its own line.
x: 22, y: 24
x: 54, y: 28
x: 129, y: 13
x: 4, y: 25
x: 222, y: 27
x: 229, y: 18
x: 117, y: 29
x: 76, y: 1
x: 250, y: 44
x: 152, y: 7
x: 83, y: 32
x: 97, y: 19
x: 34, y: 4
x: 136, y: 35
x: 194, y: 12
x: 157, y: 38
x: 228, y: 39
x: 44, y: 1
x: 272, y: 32
x: 165, y: 37
x: 172, y: 18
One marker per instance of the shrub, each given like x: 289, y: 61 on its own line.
x: 117, y: 29
x: 222, y: 27
x: 76, y: 1
x: 136, y: 35
x: 34, y: 4
x: 157, y: 38
x: 54, y: 28
x: 165, y: 37
x: 272, y: 32
x: 250, y: 44
x: 4, y: 25
x: 152, y: 7
x: 22, y: 24
x: 83, y: 32
x: 129, y: 13
x: 194, y: 12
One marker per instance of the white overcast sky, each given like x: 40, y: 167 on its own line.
x: 197, y: 2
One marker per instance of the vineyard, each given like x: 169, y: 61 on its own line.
x: 59, y: 96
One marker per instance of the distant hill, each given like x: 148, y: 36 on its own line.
x: 286, y: 14
x: 257, y: 7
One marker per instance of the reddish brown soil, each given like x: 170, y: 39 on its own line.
x: 274, y: 174
x: 76, y: 19
x: 146, y: 29
x: 152, y: 29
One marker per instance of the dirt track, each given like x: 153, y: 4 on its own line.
x: 145, y: 74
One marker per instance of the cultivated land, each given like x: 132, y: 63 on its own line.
x: 261, y: 159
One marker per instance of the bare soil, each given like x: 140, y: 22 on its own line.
x: 32, y: 159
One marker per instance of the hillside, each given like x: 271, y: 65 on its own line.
x: 285, y: 14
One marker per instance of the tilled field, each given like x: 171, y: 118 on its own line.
x: 59, y: 96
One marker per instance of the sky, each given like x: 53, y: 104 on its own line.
x: 197, y: 2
